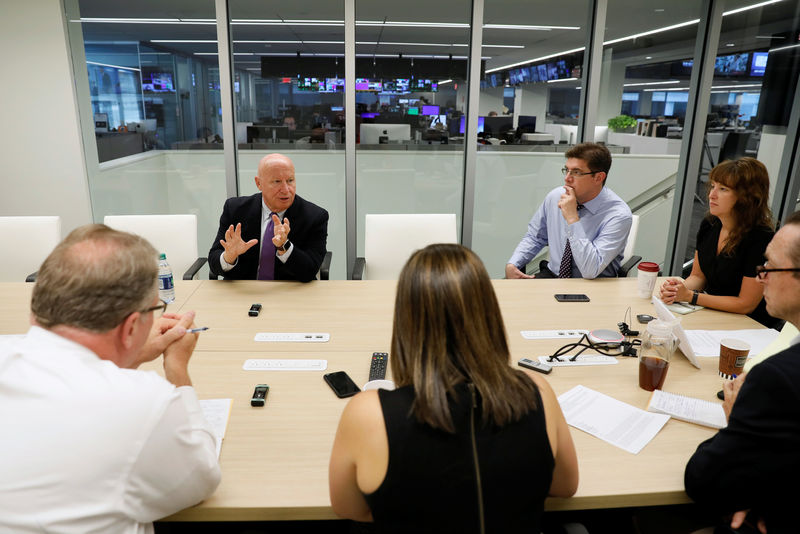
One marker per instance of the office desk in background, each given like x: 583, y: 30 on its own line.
x: 275, y: 459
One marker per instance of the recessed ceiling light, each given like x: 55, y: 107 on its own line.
x: 729, y: 44
x: 648, y: 57
x: 659, y: 10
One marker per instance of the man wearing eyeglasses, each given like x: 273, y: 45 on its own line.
x: 90, y: 444
x: 753, y: 463
x: 585, y: 224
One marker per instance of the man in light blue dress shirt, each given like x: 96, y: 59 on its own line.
x: 584, y: 213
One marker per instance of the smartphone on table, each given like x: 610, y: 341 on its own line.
x: 571, y: 297
x: 341, y: 384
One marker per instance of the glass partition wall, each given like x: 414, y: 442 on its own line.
x: 288, y: 60
x: 152, y: 112
x: 411, y: 78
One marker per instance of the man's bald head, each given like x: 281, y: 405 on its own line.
x: 275, y: 180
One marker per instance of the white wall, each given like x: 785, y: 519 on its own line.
x: 43, y: 171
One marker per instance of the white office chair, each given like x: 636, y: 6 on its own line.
x: 27, y: 241
x: 629, y: 261
x: 390, y: 239
x: 174, y: 235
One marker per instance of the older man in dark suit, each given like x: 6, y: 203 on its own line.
x: 291, y: 232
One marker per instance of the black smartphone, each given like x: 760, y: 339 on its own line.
x: 341, y: 384
x: 571, y: 297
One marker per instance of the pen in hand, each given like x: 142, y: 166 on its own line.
x: 196, y: 330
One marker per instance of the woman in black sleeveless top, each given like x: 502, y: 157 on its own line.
x: 730, y: 244
x: 465, y: 443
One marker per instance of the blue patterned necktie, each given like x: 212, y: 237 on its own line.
x: 266, y: 265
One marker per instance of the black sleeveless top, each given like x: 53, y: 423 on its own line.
x: 430, y: 483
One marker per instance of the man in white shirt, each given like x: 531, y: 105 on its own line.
x: 90, y: 444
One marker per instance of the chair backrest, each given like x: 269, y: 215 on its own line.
x: 27, y: 241
x: 174, y: 235
x: 390, y: 239
x: 628, y: 252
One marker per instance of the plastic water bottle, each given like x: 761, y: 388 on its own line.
x: 166, y: 285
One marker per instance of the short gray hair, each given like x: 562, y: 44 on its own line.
x: 94, y: 279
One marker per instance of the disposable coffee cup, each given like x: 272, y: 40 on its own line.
x: 732, y: 357
x: 646, y: 280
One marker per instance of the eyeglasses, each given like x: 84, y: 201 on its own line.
x: 162, y: 307
x: 762, y: 271
x: 565, y: 171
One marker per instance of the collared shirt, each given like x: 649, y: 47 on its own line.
x: 265, y: 217
x: 89, y: 447
x: 597, y: 240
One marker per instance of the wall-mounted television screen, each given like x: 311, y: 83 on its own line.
x: 542, y: 72
x: 759, y: 63
x: 732, y: 65
x: 157, y: 82
x: 430, y: 110
x: 362, y: 84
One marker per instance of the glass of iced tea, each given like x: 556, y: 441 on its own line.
x: 658, y: 344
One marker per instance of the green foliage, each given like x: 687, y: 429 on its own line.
x: 621, y: 122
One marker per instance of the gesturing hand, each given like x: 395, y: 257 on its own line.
x: 234, y: 245
x: 568, y: 204
x: 281, y: 231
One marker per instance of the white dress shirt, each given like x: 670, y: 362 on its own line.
x: 265, y: 218
x: 597, y: 240
x: 88, y: 447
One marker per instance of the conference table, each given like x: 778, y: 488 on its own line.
x: 274, y: 459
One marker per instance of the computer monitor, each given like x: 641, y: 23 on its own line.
x: 463, y: 126
x: 413, y: 111
x: 370, y: 134
x: 430, y: 110
x: 438, y: 119
x: 497, y: 125
x: 526, y: 124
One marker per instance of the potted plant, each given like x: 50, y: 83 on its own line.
x: 622, y: 123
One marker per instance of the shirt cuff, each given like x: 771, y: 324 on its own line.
x: 225, y: 265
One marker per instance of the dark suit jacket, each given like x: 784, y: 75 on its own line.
x: 754, y: 462
x: 308, y: 233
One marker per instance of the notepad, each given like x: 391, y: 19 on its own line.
x: 697, y: 411
x: 217, y: 412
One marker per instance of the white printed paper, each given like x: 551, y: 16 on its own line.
x: 613, y: 421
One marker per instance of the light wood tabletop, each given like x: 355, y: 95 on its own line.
x: 275, y: 459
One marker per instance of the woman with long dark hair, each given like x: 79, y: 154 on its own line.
x: 466, y: 443
x: 730, y: 243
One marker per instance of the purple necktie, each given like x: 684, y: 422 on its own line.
x: 266, y: 266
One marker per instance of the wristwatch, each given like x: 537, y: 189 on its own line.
x: 285, y: 246
x: 693, y: 302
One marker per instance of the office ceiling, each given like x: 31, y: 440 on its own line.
x: 378, y: 31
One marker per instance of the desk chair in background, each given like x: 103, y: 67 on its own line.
x: 629, y: 260
x: 390, y: 239
x: 174, y: 235
x: 28, y: 240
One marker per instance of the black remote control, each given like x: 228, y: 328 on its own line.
x: 377, y: 367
